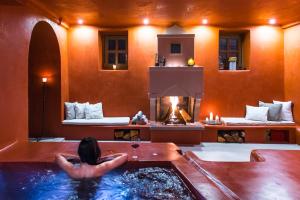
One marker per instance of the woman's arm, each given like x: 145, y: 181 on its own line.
x: 110, y: 157
x: 65, y: 164
x: 69, y: 156
x: 118, y: 160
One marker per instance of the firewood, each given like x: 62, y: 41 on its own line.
x: 221, y: 139
x: 186, y: 117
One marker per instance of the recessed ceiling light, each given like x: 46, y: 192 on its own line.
x: 146, y: 21
x: 204, y: 21
x: 272, y: 21
x: 80, y: 21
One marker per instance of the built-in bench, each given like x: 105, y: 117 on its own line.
x: 106, y: 128
x: 253, y: 131
x: 240, y: 121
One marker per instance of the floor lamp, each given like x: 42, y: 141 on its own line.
x: 44, y: 82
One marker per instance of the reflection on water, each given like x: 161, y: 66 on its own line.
x: 47, y: 181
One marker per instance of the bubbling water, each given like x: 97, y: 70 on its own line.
x: 33, y: 181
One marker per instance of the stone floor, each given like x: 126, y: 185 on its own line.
x: 228, y: 152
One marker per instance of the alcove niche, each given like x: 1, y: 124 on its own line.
x: 44, y: 98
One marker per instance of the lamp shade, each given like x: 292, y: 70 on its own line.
x: 44, y: 80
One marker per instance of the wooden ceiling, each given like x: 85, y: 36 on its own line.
x: 10, y: 2
x: 123, y: 13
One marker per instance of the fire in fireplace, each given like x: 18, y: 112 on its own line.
x: 175, y: 110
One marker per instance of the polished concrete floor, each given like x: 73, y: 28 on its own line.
x: 228, y: 152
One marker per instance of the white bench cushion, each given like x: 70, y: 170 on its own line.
x: 240, y: 121
x: 106, y: 121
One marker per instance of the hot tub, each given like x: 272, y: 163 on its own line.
x: 27, y: 171
x: 135, y: 180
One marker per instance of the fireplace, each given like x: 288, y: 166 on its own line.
x: 175, y: 96
x: 174, y: 110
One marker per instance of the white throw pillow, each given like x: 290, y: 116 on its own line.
x: 70, y: 110
x: 286, y: 110
x: 94, y: 111
x: 257, y: 113
x: 80, y: 110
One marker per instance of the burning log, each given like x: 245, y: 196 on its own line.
x: 185, y: 116
x: 164, y: 116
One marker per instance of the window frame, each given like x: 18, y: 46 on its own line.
x: 116, y: 51
x: 240, y: 37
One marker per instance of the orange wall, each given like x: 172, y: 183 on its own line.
x: 16, y: 25
x: 292, y: 68
x: 123, y: 93
x: 227, y: 92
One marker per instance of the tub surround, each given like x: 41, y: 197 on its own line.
x: 159, y: 154
x: 271, y: 175
x: 45, y: 151
x: 213, y: 180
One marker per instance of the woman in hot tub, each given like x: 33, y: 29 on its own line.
x: 89, y: 154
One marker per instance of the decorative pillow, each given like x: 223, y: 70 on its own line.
x: 70, y: 110
x: 257, y: 113
x: 80, y: 110
x: 94, y: 111
x: 286, y: 111
x: 274, y: 113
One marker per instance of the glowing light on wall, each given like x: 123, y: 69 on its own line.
x: 203, y: 32
x: 272, y: 21
x: 265, y: 34
x: 84, y: 33
x: 146, y: 33
x: 146, y: 21
x: 204, y: 21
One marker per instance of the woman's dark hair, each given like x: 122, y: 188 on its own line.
x: 89, y: 151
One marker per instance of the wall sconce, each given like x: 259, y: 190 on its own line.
x: 114, y: 67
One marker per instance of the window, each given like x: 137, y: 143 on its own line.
x: 233, y: 50
x: 115, y: 51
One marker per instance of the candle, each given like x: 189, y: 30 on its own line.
x: 217, y: 118
x: 211, y: 116
x: 206, y: 119
x: 114, y: 67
